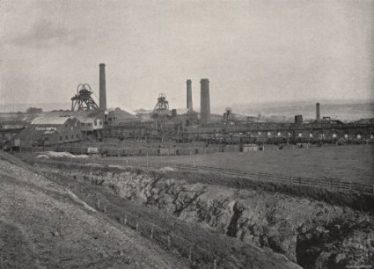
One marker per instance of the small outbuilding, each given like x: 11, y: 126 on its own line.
x: 249, y: 147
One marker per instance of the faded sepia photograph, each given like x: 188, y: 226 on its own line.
x: 202, y: 134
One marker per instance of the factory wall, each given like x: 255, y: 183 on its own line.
x: 282, y: 133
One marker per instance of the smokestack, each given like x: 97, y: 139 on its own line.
x: 204, y: 102
x: 189, y: 95
x: 298, y: 119
x: 102, y: 89
x: 318, y: 113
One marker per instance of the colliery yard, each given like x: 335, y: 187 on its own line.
x: 189, y: 189
x: 187, y: 134
x: 89, y: 126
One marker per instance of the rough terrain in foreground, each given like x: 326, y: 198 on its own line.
x: 42, y: 225
x: 315, y: 234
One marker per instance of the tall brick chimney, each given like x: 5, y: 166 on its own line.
x: 102, y: 89
x: 204, y: 101
x: 189, y: 95
x: 318, y: 112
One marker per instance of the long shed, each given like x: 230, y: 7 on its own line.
x: 51, y: 130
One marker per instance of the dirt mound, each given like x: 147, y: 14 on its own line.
x: 44, y: 226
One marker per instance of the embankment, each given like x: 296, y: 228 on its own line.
x: 312, y: 233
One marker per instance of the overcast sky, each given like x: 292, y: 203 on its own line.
x: 251, y: 51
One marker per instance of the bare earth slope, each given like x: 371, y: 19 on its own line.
x: 43, y: 225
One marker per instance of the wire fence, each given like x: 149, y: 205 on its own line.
x: 324, y: 183
x: 198, y: 251
x: 333, y: 184
x: 170, y: 241
x: 328, y: 183
x: 199, y: 256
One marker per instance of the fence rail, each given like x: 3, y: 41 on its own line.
x: 332, y: 184
x: 197, y: 255
x: 327, y: 183
x: 200, y: 253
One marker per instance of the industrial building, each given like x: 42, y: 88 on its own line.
x: 51, y: 130
x: 178, y: 130
x: 118, y: 117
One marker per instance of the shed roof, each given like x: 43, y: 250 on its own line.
x: 51, y: 120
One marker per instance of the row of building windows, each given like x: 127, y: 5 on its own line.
x: 311, y: 135
x: 89, y: 124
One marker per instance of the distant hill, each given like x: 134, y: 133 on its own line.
x: 342, y: 110
x: 44, y: 106
x: 339, y: 109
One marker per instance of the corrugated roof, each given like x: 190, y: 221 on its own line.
x: 57, y: 117
x: 51, y: 120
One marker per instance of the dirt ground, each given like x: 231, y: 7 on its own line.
x: 350, y: 162
x: 43, y: 225
x: 205, y: 243
x: 315, y: 234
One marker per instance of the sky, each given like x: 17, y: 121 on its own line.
x: 250, y: 50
